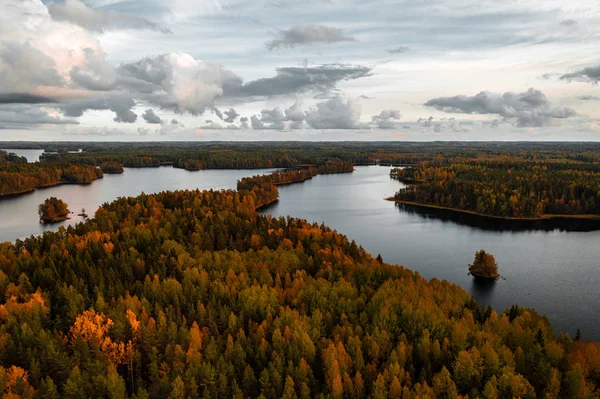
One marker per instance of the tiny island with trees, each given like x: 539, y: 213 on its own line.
x: 484, y: 266
x: 53, y: 210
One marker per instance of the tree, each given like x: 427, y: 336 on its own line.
x: 53, y: 210
x: 484, y: 266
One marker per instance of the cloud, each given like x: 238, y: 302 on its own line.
x: 95, y: 131
x: 170, y: 128
x: 177, y: 82
x: 593, y: 125
x: 295, y: 113
x: 24, y: 98
x: 589, y: 74
x: 120, y: 104
x: 21, y: 115
x: 387, y: 119
x: 230, y: 115
x: 24, y: 67
x: 398, y: 50
x: 210, y: 125
x: 302, y: 35
x: 150, y: 117
x: 293, y: 80
x: 37, y: 52
x: 339, y: 112
x: 529, y: 109
x: 98, y: 20
x: 569, y: 22
x: 269, y: 119
x: 94, y: 73
x: 588, y: 97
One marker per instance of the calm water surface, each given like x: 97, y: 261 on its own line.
x: 31, y: 155
x: 557, y: 273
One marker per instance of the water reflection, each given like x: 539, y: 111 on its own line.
x: 483, y: 290
x: 501, y: 225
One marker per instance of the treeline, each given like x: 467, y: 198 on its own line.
x: 249, y: 155
x: 505, y: 187
x: 111, y: 167
x: 22, y: 177
x: 194, y: 294
x: 11, y: 157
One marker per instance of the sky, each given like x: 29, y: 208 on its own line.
x: 240, y: 70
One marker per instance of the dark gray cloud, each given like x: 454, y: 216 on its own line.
x: 99, y: 20
x: 568, y: 22
x: 230, y: 115
x: 302, y: 35
x: 292, y: 80
x: 398, y: 50
x: 588, y: 97
x: 120, y: 104
x: 269, y: 119
x: 24, y: 98
x: 589, y: 74
x: 150, y: 117
x: 387, y: 119
x: 529, y: 109
x: 23, y: 115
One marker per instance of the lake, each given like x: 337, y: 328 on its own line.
x: 19, y: 218
x: 555, y: 272
x: 31, y: 155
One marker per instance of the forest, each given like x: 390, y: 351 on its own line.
x: 16, y: 178
x: 192, y: 294
x: 505, y: 186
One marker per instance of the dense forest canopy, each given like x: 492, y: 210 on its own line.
x: 505, y: 186
x: 194, y: 294
x: 23, y: 177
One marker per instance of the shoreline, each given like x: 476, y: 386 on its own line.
x: 58, y: 219
x: 45, y: 186
x: 545, y: 217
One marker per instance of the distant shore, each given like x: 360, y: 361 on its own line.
x: 545, y: 217
x: 44, y: 186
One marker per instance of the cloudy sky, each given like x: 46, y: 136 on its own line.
x: 299, y: 70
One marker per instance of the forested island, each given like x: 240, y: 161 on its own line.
x: 484, y: 266
x: 194, y: 294
x: 511, y: 187
x: 53, y: 210
x: 19, y: 178
x: 111, y: 167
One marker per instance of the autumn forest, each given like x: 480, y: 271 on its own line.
x: 191, y: 294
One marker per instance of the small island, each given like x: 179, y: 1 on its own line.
x: 111, y: 167
x: 53, y: 210
x: 484, y: 266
